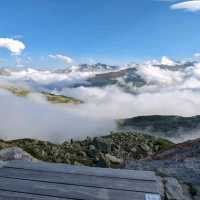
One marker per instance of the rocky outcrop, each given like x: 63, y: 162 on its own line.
x: 171, y: 189
x: 181, y: 161
x: 15, y: 153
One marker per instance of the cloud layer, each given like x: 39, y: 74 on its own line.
x: 167, y: 90
x: 14, y: 46
x: 35, y: 118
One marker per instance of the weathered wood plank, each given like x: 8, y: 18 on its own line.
x: 63, y: 168
x: 7, y: 195
x: 81, y: 180
x: 67, y: 191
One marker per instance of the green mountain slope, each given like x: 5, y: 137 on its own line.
x: 169, y: 126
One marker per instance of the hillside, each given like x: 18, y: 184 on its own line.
x: 165, y: 126
x: 108, y: 151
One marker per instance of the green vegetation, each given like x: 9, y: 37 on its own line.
x: 52, y: 98
x: 60, y: 99
x: 108, y: 151
x: 167, y: 126
x: 18, y: 91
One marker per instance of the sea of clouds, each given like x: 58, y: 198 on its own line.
x: 171, y: 90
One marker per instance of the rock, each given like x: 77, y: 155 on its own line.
x: 145, y: 147
x: 103, y: 145
x: 102, y: 161
x: 161, y: 186
x: 15, y: 153
x: 173, y: 189
x: 82, y: 153
x: 134, y: 150
x: 113, y: 159
x: 92, y: 148
x: 92, y: 152
x: 78, y: 163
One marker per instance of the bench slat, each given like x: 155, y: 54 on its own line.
x: 67, y: 191
x: 7, y: 195
x: 82, y: 180
x: 93, y: 171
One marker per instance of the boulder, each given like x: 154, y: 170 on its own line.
x: 113, y: 159
x: 161, y: 187
x: 15, y: 153
x: 173, y: 189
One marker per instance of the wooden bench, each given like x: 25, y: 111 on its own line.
x: 22, y: 180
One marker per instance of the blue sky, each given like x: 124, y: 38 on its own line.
x: 113, y: 31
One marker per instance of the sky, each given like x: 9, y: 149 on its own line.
x: 56, y: 33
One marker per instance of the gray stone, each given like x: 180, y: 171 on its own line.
x: 145, y: 147
x: 173, y: 189
x: 161, y: 187
x: 92, y: 148
x: 113, y: 159
x: 15, y: 153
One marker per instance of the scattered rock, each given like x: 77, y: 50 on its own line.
x: 91, y: 151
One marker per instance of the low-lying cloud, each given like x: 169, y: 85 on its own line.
x: 168, y: 90
x: 33, y: 117
x: 44, y: 77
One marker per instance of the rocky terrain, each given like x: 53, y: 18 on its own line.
x: 177, y: 165
x: 108, y: 151
x: 181, y: 161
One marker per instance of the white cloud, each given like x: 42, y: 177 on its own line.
x: 168, y: 91
x: 192, y: 6
x: 156, y: 75
x: 167, y: 61
x: 65, y: 59
x: 14, y: 46
x: 34, y: 117
x: 48, y: 77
